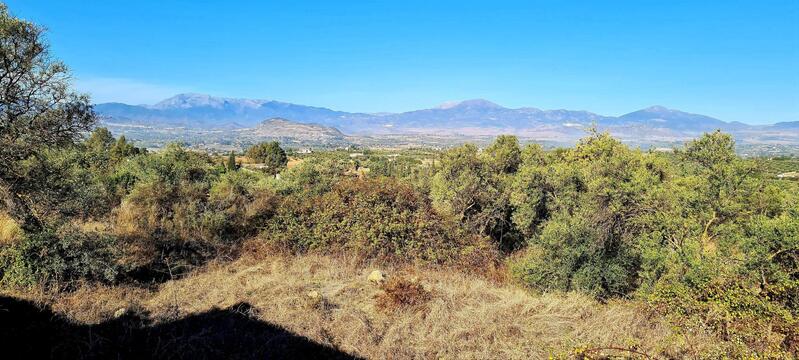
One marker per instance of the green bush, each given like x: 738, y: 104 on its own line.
x: 569, y: 255
x: 166, y: 220
x: 749, y: 323
x: 60, y: 258
x: 244, y: 202
x: 771, y: 246
x: 372, y: 218
x: 472, y: 188
x: 313, y: 176
x: 84, y: 181
x: 581, y: 210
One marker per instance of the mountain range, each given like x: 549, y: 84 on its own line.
x: 466, y: 118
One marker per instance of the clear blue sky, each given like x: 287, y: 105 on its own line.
x: 735, y: 60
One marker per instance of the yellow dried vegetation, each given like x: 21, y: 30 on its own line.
x: 9, y: 230
x: 434, y: 313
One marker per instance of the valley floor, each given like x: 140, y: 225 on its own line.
x: 330, y: 303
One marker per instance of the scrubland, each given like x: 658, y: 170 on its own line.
x: 465, y: 316
x: 593, y: 251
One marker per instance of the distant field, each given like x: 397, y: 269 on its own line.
x: 778, y: 166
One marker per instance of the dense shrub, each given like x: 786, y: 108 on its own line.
x: 771, y: 246
x: 313, y: 176
x: 84, y: 180
x: 741, y: 286
x: 725, y: 306
x: 582, y: 211
x: 60, y: 258
x: 373, y: 218
x: 245, y: 201
x: 567, y: 255
x: 166, y: 220
x: 472, y: 189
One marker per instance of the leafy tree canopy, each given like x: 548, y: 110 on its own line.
x: 38, y: 110
x: 270, y: 154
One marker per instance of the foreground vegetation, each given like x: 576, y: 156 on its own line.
x: 692, y: 253
x: 701, y: 240
x: 329, y: 300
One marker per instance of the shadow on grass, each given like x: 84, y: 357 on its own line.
x: 34, y: 332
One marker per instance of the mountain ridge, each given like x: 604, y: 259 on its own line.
x: 468, y: 117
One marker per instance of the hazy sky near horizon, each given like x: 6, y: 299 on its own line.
x: 734, y: 60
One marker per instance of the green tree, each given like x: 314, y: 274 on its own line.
x: 231, y: 162
x: 122, y: 149
x: 468, y: 188
x: 584, y: 211
x: 532, y: 190
x: 711, y: 150
x: 38, y: 111
x: 100, y: 140
x: 270, y: 154
x: 504, y: 155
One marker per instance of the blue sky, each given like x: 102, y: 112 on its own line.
x: 735, y: 60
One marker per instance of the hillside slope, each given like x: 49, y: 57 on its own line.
x: 282, y: 128
x: 466, y: 317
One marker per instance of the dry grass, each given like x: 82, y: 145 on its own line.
x: 294, y: 162
x: 244, y: 160
x: 330, y: 301
x: 9, y: 230
x: 93, y: 226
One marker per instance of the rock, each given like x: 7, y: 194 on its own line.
x: 314, y: 295
x: 315, y: 300
x: 377, y: 277
x: 120, y: 313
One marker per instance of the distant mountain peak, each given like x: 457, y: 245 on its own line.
x: 469, y: 104
x: 186, y: 100
x: 662, y: 117
x: 658, y: 109
x: 192, y: 95
x: 192, y: 100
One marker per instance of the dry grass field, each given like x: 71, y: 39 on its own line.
x: 330, y: 301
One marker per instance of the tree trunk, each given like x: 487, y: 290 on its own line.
x: 19, y: 211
